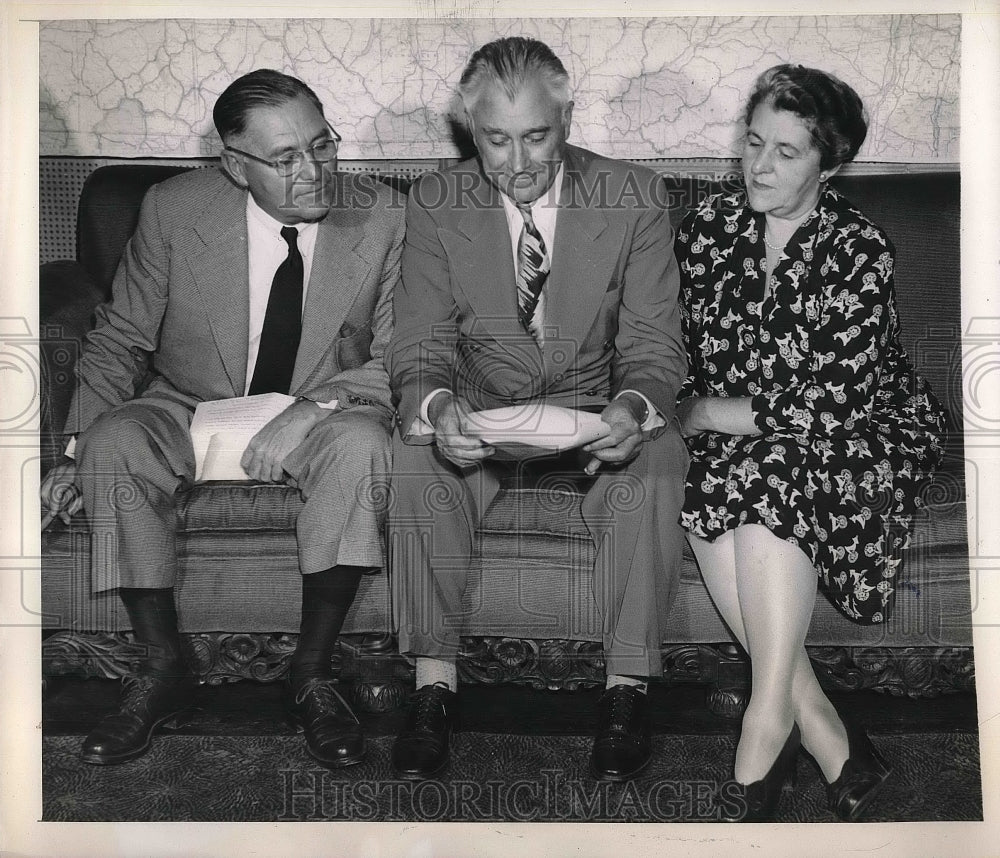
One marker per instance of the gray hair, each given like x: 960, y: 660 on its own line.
x: 509, y: 63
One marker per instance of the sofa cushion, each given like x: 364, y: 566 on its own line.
x: 237, y: 506
x: 229, y: 581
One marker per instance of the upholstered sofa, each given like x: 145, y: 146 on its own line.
x: 531, y: 617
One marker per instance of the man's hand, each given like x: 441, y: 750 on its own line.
x: 267, y: 450
x: 60, y: 494
x: 622, y: 443
x: 448, y: 415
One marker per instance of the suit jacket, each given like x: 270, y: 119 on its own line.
x: 178, y: 321
x: 611, y: 312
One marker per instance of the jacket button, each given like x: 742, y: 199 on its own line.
x: 558, y: 377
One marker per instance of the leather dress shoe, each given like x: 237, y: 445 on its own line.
x: 860, y: 779
x: 332, y: 730
x: 147, y: 703
x: 622, y: 747
x: 758, y: 801
x: 421, y: 748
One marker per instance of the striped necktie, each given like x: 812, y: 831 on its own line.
x: 532, y: 268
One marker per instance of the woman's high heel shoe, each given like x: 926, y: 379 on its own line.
x: 758, y: 801
x: 860, y: 779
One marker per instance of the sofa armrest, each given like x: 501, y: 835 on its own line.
x: 67, y: 299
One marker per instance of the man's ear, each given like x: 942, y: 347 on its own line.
x: 567, y: 118
x: 234, y: 167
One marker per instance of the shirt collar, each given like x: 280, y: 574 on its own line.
x: 257, y: 217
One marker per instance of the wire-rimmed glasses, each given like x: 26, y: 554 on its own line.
x: 291, y: 162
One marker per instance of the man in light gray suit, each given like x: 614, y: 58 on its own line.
x: 536, y: 273
x: 274, y: 275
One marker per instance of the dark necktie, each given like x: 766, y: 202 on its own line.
x: 279, y: 339
x: 532, y: 269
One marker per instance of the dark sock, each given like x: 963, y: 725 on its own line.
x: 154, y: 620
x: 326, y: 599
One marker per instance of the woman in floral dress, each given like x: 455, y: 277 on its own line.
x: 810, y: 435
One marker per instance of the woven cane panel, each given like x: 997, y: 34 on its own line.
x: 60, y: 181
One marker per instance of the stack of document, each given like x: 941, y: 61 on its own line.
x: 222, y: 429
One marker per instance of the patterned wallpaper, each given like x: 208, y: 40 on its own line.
x: 644, y: 88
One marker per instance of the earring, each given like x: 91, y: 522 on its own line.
x: 822, y: 177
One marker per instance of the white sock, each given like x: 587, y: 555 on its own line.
x: 432, y: 670
x: 614, y: 679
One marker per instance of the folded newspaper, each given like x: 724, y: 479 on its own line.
x: 222, y: 429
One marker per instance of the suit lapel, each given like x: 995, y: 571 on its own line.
x: 220, y: 269
x: 339, y: 270
x: 584, y: 259
x: 480, y: 252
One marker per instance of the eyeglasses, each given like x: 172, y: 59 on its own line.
x: 291, y: 162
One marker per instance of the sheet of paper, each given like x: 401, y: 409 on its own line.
x: 538, y: 425
x: 222, y: 428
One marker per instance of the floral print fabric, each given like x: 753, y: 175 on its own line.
x: 849, y: 432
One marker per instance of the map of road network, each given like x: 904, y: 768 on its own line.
x: 644, y: 88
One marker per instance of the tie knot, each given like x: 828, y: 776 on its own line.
x: 525, y: 211
x: 291, y: 235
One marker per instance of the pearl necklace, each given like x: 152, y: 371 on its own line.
x: 778, y: 248
x: 772, y: 246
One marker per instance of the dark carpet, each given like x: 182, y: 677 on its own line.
x: 522, y: 757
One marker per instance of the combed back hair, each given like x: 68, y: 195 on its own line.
x: 260, y: 88
x: 830, y: 108
x: 509, y: 63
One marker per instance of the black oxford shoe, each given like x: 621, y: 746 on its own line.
x: 332, y: 730
x: 622, y: 747
x: 421, y: 749
x: 147, y: 703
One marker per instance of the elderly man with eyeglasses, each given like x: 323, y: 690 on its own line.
x: 274, y: 274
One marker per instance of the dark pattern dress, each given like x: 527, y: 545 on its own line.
x: 849, y: 432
